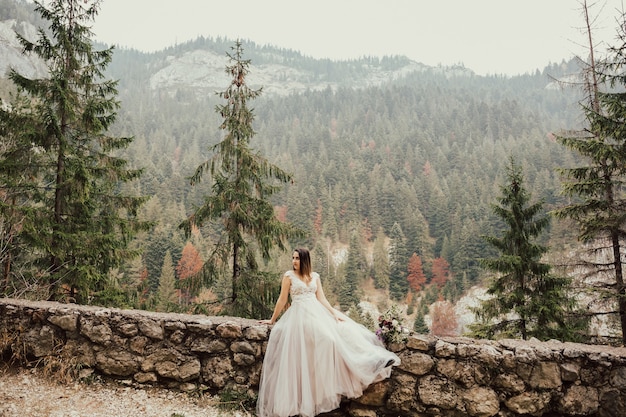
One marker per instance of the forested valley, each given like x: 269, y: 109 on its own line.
x: 412, y: 164
x: 425, y: 154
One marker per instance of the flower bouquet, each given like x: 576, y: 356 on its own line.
x: 390, y: 328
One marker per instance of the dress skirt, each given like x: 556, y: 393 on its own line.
x: 312, y: 360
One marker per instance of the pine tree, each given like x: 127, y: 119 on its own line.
x: 167, y: 296
x: 398, y: 260
x: 419, y: 325
x: 599, y: 206
x: 19, y: 172
x: 349, y: 290
x: 243, y: 182
x: 380, y: 265
x: 527, y: 300
x: 77, y: 224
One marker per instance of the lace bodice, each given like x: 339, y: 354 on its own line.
x: 299, y: 289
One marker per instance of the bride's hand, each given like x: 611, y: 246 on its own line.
x: 265, y: 321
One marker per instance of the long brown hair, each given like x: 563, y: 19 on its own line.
x: 305, y: 263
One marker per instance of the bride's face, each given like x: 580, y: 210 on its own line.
x: 295, y: 261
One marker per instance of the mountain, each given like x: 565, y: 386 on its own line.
x: 371, y: 143
x: 199, y: 65
x: 203, y: 69
x: 11, y: 55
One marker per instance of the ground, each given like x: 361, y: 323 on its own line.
x: 28, y: 393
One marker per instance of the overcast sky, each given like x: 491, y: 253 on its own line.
x: 488, y: 36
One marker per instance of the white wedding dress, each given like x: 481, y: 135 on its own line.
x: 312, y: 360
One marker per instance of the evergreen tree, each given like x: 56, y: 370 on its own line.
x: 419, y: 325
x: 76, y: 223
x: 163, y: 239
x: 349, y: 290
x: 19, y: 168
x: 599, y: 206
x: 527, y: 300
x: 243, y: 182
x: 380, y: 265
x: 133, y: 276
x: 431, y: 294
x: 398, y: 260
x: 323, y: 263
x: 167, y: 296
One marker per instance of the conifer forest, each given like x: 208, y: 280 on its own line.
x: 410, y: 192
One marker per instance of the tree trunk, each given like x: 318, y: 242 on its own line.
x: 619, y: 280
x: 235, y: 272
x: 55, y: 264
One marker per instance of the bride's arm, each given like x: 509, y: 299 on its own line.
x: 282, y: 300
x: 321, y: 297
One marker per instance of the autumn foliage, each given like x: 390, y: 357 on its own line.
x: 441, y: 272
x: 189, y: 265
x: 444, y: 321
x: 416, y: 276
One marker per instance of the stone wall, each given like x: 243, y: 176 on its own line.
x: 438, y: 377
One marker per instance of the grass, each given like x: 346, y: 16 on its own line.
x: 59, y: 365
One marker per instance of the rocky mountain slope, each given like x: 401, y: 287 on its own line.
x: 204, y: 69
x: 201, y: 68
x: 11, y: 55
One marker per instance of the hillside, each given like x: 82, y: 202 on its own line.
x: 374, y: 145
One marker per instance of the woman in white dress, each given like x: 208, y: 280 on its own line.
x: 315, y: 354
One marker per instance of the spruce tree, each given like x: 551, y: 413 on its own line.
x: 19, y: 164
x: 243, y: 182
x: 598, y: 205
x: 349, y: 289
x: 419, y: 325
x: 398, y: 261
x: 167, y: 298
x: 380, y: 267
x: 76, y: 224
x: 527, y: 300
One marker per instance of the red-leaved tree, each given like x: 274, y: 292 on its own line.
x: 188, y: 267
x: 416, y: 276
x: 444, y: 321
x: 441, y: 272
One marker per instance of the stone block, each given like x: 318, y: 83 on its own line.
x: 529, y: 403
x: 67, y: 322
x: 481, y: 402
x: 546, y: 375
x: 438, y: 392
x: 415, y: 362
x: 579, y: 400
x: 419, y: 342
x: 151, y: 328
x: 444, y: 349
x: 229, y: 330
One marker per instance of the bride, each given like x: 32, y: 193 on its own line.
x: 315, y: 354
